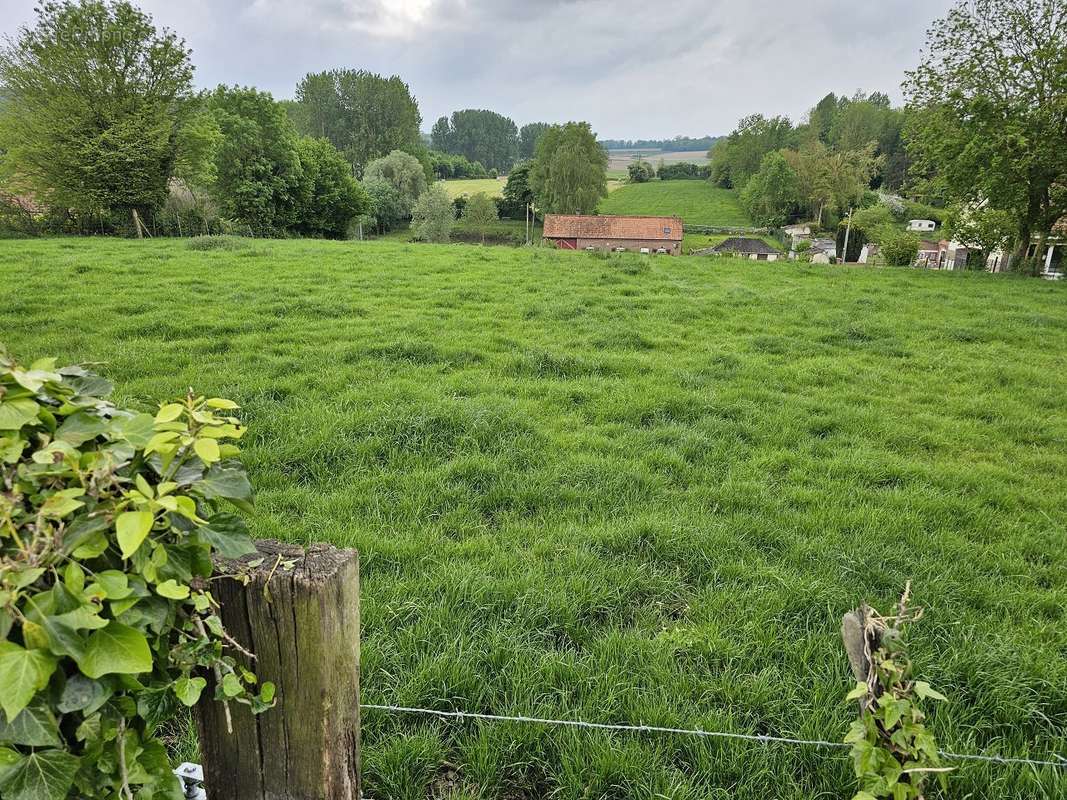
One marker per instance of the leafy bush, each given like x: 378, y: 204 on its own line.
x: 433, y: 216
x: 898, y: 248
x: 641, y: 172
x: 683, y: 170
x: 108, y: 522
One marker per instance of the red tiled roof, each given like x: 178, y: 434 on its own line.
x: 570, y: 226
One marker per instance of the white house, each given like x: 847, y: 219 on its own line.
x: 921, y: 225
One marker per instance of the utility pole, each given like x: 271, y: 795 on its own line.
x: 848, y: 230
x: 527, y: 224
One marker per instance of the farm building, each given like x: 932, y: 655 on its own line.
x: 638, y: 234
x: 754, y: 249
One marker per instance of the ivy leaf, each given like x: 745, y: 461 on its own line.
x: 118, y: 649
x: 35, y: 726
x: 172, y: 590
x: 63, y: 502
x: 231, y: 685
x: 228, y: 535
x: 22, y: 674
x: 188, y: 690
x: 9, y: 759
x: 82, y: 694
x: 922, y: 688
x: 114, y: 584
x: 43, y: 775
x: 132, y: 528
x: 858, y: 692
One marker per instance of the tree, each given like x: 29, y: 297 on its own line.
x: 528, y: 136
x: 385, y: 204
x: 569, y: 172
x: 990, y: 96
x: 480, y: 135
x: 403, y: 172
x: 738, y: 157
x: 330, y: 197
x: 517, y: 194
x: 96, y: 98
x: 480, y: 213
x: 640, y: 171
x: 985, y: 229
x: 772, y: 195
x: 433, y: 216
x: 259, y: 174
x: 364, y: 115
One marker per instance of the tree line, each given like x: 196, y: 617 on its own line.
x: 676, y: 145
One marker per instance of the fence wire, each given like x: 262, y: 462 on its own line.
x: 1060, y: 762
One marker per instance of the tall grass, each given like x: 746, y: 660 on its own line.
x: 696, y: 202
x: 624, y: 490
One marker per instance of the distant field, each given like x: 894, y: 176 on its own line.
x: 619, y: 159
x: 697, y: 202
x: 491, y: 186
x: 623, y: 490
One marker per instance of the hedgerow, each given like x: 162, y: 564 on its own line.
x: 109, y: 519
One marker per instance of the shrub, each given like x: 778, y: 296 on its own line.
x: 433, y: 216
x: 641, y: 172
x: 898, y: 248
x: 480, y: 213
x: 683, y: 170
x: 108, y: 522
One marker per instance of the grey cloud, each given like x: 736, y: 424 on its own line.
x: 633, y: 68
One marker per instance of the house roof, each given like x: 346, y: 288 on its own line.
x: 738, y: 244
x: 572, y: 226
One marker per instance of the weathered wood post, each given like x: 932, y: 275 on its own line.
x: 299, y: 613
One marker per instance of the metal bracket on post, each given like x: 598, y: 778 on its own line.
x: 192, y: 778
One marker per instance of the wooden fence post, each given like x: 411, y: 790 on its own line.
x: 299, y: 613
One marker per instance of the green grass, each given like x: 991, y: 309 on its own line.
x: 624, y: 490
x: 491, y: 186
x: 696, y: 202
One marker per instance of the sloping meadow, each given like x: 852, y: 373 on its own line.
x: 623, y: 490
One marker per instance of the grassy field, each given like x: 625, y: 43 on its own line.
x: 697, y: 202
x: 491, y: 186
x: 624, y: 490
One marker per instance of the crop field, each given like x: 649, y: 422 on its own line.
x: 696, y: 202
x: 624, y: 490
x: 621, y: 159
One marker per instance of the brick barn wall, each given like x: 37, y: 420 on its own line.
x: 674, y: 248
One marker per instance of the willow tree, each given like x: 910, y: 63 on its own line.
x: 569, y: 171
x: 990, y: 103
x: 95, y: 100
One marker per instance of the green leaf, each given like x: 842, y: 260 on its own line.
x: 267, y: 692
x: 43, y: 775
x: 173, y: 590
x: 82, y: 694
x: 231, y: 685
x: 220, y: 402
x: 132, y: 528
x: 9, y: 759
x: 228, y: 535
x: 858, y: 692
x: 35, y: 726
x: 137, y: 429
x: 228, y: 483
x: 207, y: 449
x: 114, y: 583
x: 63, y: 502
x: 80, y: 427
x: 188, y: 690
x: 22, y: 674
x: 16, y: 413
x: 922, y: 688
x: 117, y: 648
x: 169, y: 412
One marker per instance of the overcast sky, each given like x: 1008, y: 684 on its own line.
x: 633, y: 68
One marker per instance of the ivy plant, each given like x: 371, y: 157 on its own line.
x: 109, y: 519
x: 893, y: 752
